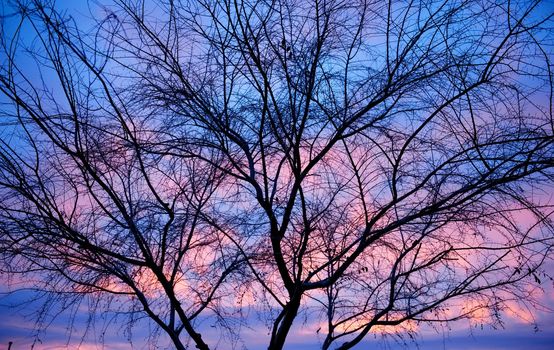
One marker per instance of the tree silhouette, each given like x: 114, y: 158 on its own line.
x: 367, y: 164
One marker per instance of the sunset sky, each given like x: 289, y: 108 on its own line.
x: 446, y: 231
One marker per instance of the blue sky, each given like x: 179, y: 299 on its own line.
x: 17, y: 324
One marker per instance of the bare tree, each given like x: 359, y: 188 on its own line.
x: 371, y: 164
